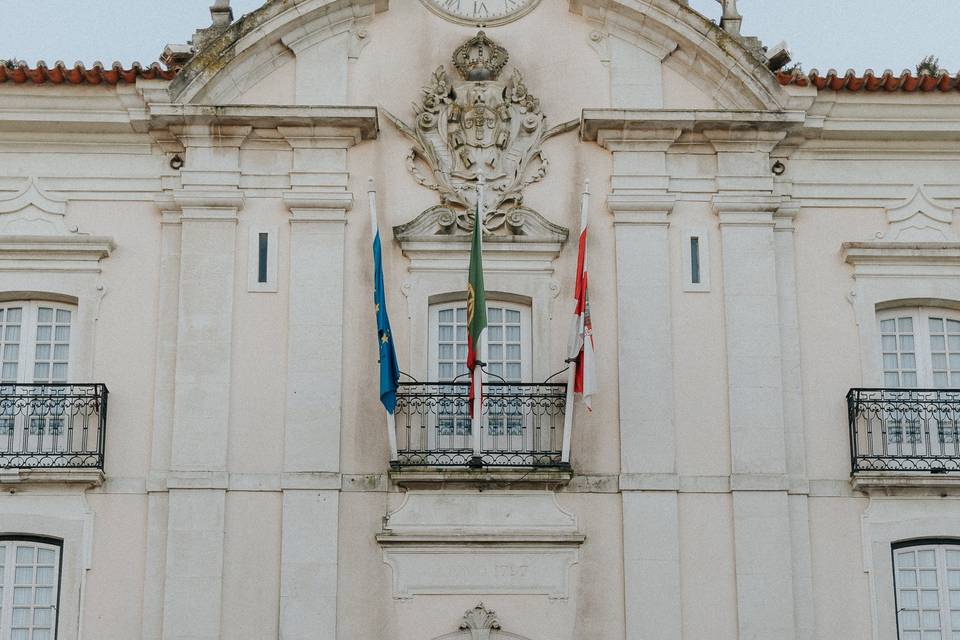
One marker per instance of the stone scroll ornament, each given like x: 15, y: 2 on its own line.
x: 478, y: 126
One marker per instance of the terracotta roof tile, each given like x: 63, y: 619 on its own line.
x: 79, y: 74
x: 869, y: 81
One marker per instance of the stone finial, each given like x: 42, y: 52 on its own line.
x: 221, y: 13
x: 731, y: 19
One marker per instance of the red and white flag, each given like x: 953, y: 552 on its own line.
x: 580, y: 349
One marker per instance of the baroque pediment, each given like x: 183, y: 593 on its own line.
x: 478, y: 135
x: 30, y: 212
x: 920, y: 219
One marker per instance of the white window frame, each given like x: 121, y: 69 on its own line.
x: 462, y: 436
x: 9, y: 583
x: 918, y: 583
x: 526, y: 335
x: 921, y: 339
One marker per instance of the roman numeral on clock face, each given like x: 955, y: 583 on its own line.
x: 483, y: 11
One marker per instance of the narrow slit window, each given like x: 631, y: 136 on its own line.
x: 694, y: 260
x: 262, y: 265
x: 262, y: 257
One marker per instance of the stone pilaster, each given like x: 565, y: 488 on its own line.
x: 641, y: 208
x: 793, y: 421
x: 209, y: 201
x: 318, y: 203
x: 752, y: 307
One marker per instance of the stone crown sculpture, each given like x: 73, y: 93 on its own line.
x: 480, y: 126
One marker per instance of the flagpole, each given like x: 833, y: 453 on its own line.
x: 477, y: 423
x: 391, y: 419
x: 572, y: 371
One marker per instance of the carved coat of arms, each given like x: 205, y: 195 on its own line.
x: 480, y: 126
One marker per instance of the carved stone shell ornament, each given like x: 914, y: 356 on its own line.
x: 478, y: 126
x: 480, y: 623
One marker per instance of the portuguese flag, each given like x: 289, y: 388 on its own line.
x: 476, y: 311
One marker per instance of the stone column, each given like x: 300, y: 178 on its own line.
x: 318, y: 203
x: 641, y: 207
x: 762, y: 534
x: 197, y: 481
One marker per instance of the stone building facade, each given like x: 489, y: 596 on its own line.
x: 775, y: 288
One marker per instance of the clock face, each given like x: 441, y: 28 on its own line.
x: 486, y: 13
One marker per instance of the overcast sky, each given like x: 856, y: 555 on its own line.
x: 858, y: 34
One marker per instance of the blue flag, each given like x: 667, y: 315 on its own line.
x: 389, y: 369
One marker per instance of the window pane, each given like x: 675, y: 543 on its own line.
x: 63, y: 316
x: 43, y: 352
x: 61, y: 352
x: 41, y: 372
x: 446, y: 315
x: 21, y: 595
x: 905, y: 324
x: 44, y: 314
x: 513, y: 316
x: 888, y: 326
x: 889, y: 343
x: 43, y: 596
x: 936, y: 325
x: 461, y: 314
x: 44, y: 334
x: 906, y: 343
x: 938, y: 343
x: 494, y: 314
x: 926, y: 558
x: 63, y: 334
x: 24, y: 555
x: 495, y: 334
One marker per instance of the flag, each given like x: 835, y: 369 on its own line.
x: 389, y: 369
x: 476, y: 307
x: 580, y: 348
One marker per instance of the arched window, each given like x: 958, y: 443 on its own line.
x: 509, y: 344
x: 920, y: 347
x: 35, y: 341
x: 29, y: 588
x: 927, y: 580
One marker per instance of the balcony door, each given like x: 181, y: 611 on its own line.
x: 509, y: 355
x: 34, y: 349
x: 920, y: 348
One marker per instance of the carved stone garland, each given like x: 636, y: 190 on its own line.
x: 481, y: 126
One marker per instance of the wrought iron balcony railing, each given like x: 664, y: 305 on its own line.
x: 907, y: 430
x: 52, y: 426
x: 522, y: 424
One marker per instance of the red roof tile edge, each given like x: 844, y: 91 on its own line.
x: 79, y: 74
x: 869, y: 81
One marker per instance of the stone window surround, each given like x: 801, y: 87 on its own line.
x: 50, y: 518
x: 890, y: 275
x: 888, y: 521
